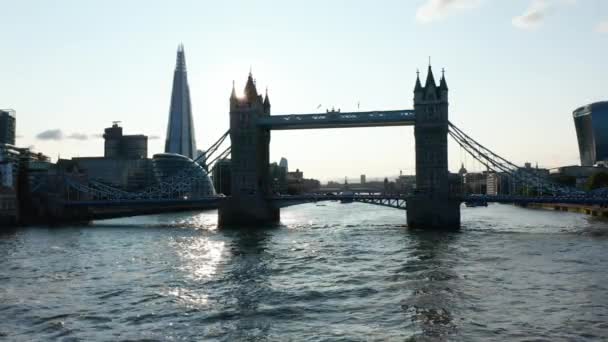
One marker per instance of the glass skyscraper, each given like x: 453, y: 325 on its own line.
x: 7, y: 126
x: 180, y: 129
x: 591, y: 123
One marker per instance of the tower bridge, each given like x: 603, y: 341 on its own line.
x: 434, y: 205
x: 250, y: 130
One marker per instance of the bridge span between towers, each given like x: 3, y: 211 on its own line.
x: 336, y: 119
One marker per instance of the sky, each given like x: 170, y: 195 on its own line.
x: 516, y: 70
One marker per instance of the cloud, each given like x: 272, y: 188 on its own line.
x: 78, y: 136
x: 97, y: 136
x: 433, y: 10
x: 153, y: 137
x: 602, y: 27
x: 533, y: 16
x: 51, y: 134
x: 536, y: 13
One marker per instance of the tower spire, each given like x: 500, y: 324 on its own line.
x: 267, y: 102
x: 251, y: 93
x: 443, y: 85
x: 233, y: 94
x: 418, y: 86
x: 430, y: 79
x: 180, y: 63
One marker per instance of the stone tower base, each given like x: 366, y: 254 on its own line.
x: 429, y: 213
x: 248, y: 211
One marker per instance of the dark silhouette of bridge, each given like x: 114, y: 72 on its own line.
x: 435, y: 203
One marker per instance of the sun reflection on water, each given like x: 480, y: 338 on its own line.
x: 187, y: 297
x: 200, y: 256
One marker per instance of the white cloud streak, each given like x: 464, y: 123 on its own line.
x: 434, y: 10
x: 534, y: 16
x: 602, y: 27
x: 78, y: 136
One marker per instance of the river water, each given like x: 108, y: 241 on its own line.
x: 334, y: 272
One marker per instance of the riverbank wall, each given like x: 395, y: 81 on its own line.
x: 592, y: 210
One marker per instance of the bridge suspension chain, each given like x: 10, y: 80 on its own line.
x: 494, y: 162
x: 212, y: 149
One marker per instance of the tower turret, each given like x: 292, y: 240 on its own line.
x: 233, y: 98
x: 266, y: 103
x: 430, y: 87
x: 443, y: 87
x: 251, y: 93
x: 418, y: 90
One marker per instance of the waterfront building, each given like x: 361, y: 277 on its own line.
x: 295, y: 176
x: 278, y: 178
x: 125, y: 165
x: 168, y: 165
x: 462, y: 171
x: 520, y: 188
x: 591, y: 123
x: 20, y: 174
x: 497, y: 183
x: 283, y: 163
x: 180, y: 129
x: 119, y: 146
x: 221, y: 176
x: 405, y: 184
x: 475, y: 183
x: 9, y: 169
x: 574, y: 175
x: 7, y: 126
x: 122, y: 173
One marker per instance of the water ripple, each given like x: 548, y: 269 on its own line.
x: 332, y: 273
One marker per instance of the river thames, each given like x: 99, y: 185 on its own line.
x: 333, y: 272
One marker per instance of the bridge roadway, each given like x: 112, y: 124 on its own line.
x: 105, y: 209
x: 403, y: 117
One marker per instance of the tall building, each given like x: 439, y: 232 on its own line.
x: 7, y: 126
x: 180, y: 129
x: 363, y: 180
x: 119, y: 146
x: 283, y: 163
x: 591, y: 123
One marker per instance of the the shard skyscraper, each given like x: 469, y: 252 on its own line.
x: 180, y: 129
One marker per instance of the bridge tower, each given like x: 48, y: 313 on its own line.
x: 250, y: 185
x: 432, y: 206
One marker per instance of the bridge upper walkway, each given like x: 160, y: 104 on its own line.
x: 333, y: 119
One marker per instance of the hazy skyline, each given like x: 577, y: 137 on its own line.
x: 516, y: 71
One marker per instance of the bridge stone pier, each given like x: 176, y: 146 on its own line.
x: 251, y: 202
x: 432, y: 205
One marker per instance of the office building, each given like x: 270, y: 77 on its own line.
x: 166, y: 166
x: 119, y: 146
x: 283, y: 163
x: 7, y: 126
x: 221, y: 176
x: 591, y: 123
